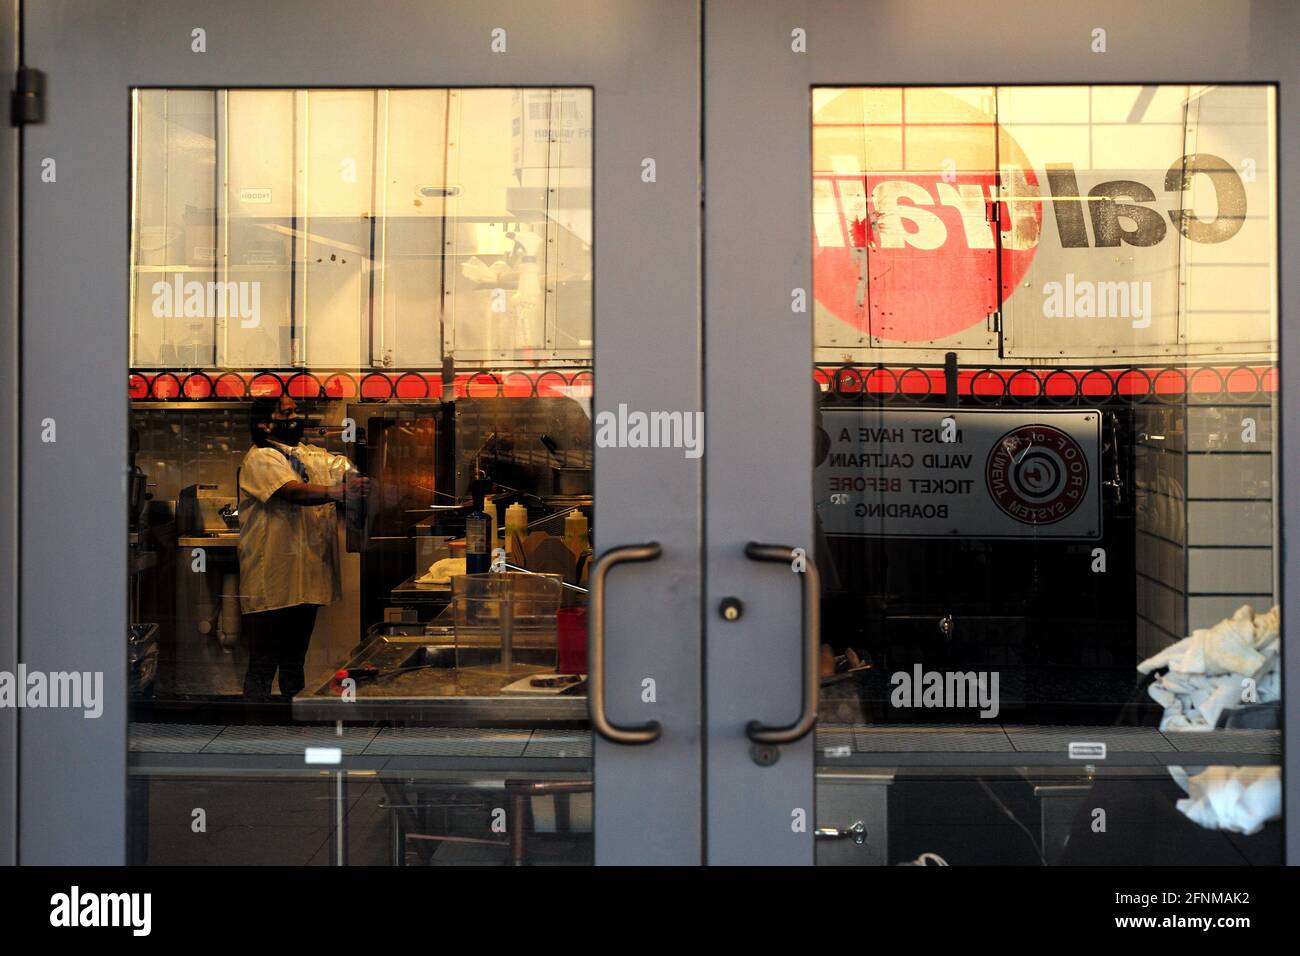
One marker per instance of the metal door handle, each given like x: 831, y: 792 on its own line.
x: 761, y: 733
x: 648, y: 732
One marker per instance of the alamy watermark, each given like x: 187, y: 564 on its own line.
x: 947, y: 689
x: 179, y: 299
x: 80, y: 690
x: 77, y: 909
x: 1085, y: 299
x: 633, y: 429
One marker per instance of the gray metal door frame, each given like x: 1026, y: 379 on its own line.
x: 642, y: 60
x: 9, y: 152
x: 759, y: 352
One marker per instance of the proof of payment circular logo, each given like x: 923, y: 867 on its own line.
x: 1037, y: 474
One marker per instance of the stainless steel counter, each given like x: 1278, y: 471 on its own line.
x: 448, y: 711
x: 408, y: 592
x: 227, y: 540
x: 419, y: 681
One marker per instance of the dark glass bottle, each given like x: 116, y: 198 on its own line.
x: 478, y: 530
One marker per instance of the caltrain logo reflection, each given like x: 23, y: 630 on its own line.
x: 915, y: 246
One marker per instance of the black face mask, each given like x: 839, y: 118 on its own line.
x: 286, y: 431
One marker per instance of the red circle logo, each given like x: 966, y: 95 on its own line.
x: 1037, y: 474
x: 911, y: 254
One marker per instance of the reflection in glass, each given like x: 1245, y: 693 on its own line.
x: 1046, y: 370
x: 360, y: 364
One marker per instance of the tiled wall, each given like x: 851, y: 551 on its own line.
x: 1206, y: 495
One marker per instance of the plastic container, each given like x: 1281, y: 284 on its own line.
x: 571, y: 640
x: 575, y: 532
x: 508, y: 611
x: 516, y: 525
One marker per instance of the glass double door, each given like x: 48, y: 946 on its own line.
x: 419, y: 324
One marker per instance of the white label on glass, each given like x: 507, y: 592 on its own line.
x: 476, y: 536
x: 1087, y: 751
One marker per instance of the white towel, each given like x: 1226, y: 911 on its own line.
x: 1238, y: 799
x: 1215, y: 668
x: 1207, y: 672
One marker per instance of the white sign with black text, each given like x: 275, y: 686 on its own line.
x: 981, y: 473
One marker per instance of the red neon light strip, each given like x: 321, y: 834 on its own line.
x: 990, y: 383
x: 374, y: 386
x: 1084, y: 383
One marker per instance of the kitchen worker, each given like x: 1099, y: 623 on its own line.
x: 288, y: 542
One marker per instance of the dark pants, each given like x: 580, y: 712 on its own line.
x: 278, y: 639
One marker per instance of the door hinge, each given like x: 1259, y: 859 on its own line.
x: 993, y: 322
x: 27, y: 104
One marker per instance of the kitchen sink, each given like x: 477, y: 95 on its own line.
x: 445, y: 655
